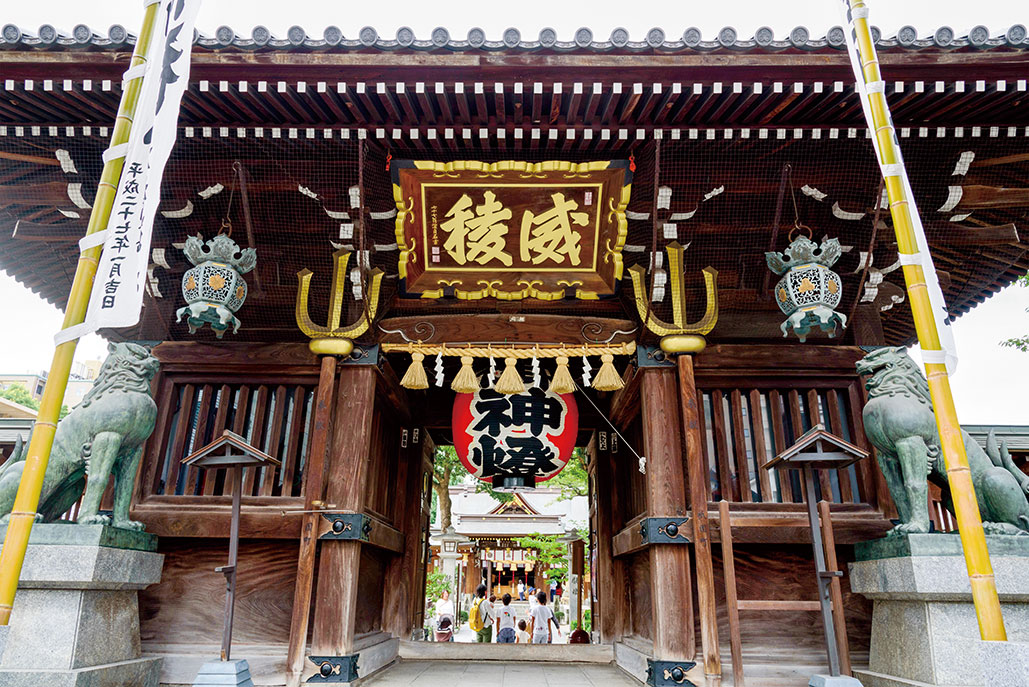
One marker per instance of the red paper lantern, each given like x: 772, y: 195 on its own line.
x: 514, y: 441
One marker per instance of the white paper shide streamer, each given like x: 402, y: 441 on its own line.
x: 117, y: 295
x: 923, y: 257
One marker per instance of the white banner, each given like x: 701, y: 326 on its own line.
x: 117, y: 295
x: 923, y: 257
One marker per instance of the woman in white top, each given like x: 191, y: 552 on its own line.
x: 444, y: 606
x: 541, y: 618
x: 506, y: 622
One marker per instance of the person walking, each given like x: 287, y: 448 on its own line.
x: 523, y: 636
x: 542, y: 617
x: 521, y: 590
x: 481, y: 617
x: 553, y: 590
x: 506, y: 622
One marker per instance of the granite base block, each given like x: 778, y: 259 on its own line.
x: 1005, y: 663
x: 75, y: 619
x: 51, y: 533
x: 924, y: 627
x: 141, y: 672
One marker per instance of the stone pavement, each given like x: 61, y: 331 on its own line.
x: 500, y: 674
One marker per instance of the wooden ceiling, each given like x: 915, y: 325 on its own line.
x: 694, y: 121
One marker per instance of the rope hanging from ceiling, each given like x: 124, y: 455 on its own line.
x: 510, y: 381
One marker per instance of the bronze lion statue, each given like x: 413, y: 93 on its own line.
x: 899, y: 422
x: 101, y: 437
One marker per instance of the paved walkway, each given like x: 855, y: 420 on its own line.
x: 499, y: 674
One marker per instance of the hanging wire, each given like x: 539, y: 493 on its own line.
x: 642, y: 459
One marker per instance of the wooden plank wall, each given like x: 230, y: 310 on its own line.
x: 787, y: 572
x: 266, y: 393
x: 186, y: 606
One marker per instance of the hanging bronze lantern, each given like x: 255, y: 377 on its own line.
x: 808, y: 291
x: 215, y: 289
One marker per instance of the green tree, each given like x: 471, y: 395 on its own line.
x: 436, y: 582
x: 1019, y: 342
x: 446, y: 470
x: 487, y: 488
x: 546, y: 551
x: 573, y: 479
x: 20, y: 395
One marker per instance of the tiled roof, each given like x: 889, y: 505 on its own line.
x: 583, y: 40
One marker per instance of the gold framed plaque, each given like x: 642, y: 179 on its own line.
x: 511, y: 230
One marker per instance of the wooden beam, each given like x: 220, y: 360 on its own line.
x: 531, y: 328
x: 628, y: 540
x: 839, y: 620
x: 978, y: 197
x: 778, y: 605
x: 959, y: 235
x: 732, y: 604
x: 402, y: 570
x: 625, y: 402
x: 223, y: 355
x: 696, y: 472
x: 610, y: 583
x: 213, y: 522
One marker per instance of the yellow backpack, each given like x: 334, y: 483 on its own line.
x: 474, y: 618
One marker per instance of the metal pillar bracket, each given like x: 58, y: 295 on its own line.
x: 666, y: 530
x: 653, y: 356
x: 334, y: 668
x: 662, y: 673
x: 347, y: 526
x: 362, y: 355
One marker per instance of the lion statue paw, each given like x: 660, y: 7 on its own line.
x: 907, y: 528
x: 1003, y: 528
x: 129, y: 525
x: 98, y: 519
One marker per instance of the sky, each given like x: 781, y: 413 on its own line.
x: 985, y: 386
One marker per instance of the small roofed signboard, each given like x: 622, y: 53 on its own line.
x: 511, y: 230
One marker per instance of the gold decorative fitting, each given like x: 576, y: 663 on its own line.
x: 336, y: 294
x: 677, y: 288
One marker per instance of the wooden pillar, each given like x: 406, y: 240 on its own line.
x: 610, y: 583
x: 670, y: 583
x: 697, y: 474
x: 401, y: 572
x: 314, y: 482
x: 577, y: 551
x: 346, y: 487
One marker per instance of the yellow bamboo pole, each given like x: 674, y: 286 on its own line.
x: 27, y: 500
x: 966, y: 508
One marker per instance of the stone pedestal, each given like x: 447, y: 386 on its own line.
x: 76, y: 615
x: 924, y: 629
x: 224, y: 674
